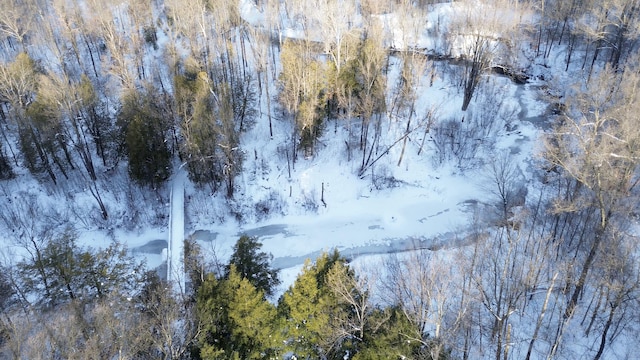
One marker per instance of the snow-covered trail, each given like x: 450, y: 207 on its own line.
x: 175, y: 251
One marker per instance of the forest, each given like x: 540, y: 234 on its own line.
x: 104, y: 103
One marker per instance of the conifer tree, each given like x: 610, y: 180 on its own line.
x: 237, y: 321
x: 310, y: 311
x: 64, y: 271
x: 212, y: 316
x: 145, y: 130
x: 253, y: 264
x: 252, y: 318
x: 387, y: 337
x: 211, y: 127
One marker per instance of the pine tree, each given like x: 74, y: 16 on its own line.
x: 145, y: 130
x: 386, y: 338
x: 212, y: 316
x: 252, y: 318
x: 237, y: 321
x: 309, y: 309
x: 62, y: 271
x: 253, y: 264
x: 211, y: 124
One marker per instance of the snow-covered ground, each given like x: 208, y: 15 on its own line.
x: 320, y: 203
x: 419, y: 203
x: 424, y: 205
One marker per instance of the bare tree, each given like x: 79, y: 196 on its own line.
x: 26, y: 217
x: 68, y: 103
x: 609, y: 29
x: 413, y: 69
x: 594, y: 148
x: 352, y: 290
x: 420, y: 285
x: 109, y: 21
x: 337, y: 24
x: 260, y: 46
x: 16, y: 20
x: 479, y: 34
x: 505, y: 181
x: 371, y: 102
x: 618, y: 279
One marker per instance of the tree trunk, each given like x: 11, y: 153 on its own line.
x: 607, y: 326
x: 541, y: 317
x: 573, y: 301
x: 406, y: 135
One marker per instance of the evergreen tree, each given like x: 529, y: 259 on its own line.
x: 62, y: 271
x: 212, y: 119
x: 237, y: 321
x: 145, y: 133
x: 212, y: 316
x: 252, y: 318
x: 309, y: 309
x: 253, y: 264
x: 387, y: 337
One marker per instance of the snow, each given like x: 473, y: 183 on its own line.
x: 175, y: 251
x: 418, y: 202
x: 321, y: 203
x: 425, y: 205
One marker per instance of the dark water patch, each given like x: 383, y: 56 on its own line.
x: 204, y: 235
x: 392, y: 246
x: 268, y: 230
x: 152, y: 247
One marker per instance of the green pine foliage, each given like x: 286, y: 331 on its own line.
x: 194, y: 104
x: 252, y: 319
x: 213, y: 114
x: 388, y: 337
x: 306, y: 321
x: 237, y: 321
x: 310, y: 310
x: 62, y: 271
x: 212, y: 316
x: 253, y: 264
x: 323, y: 315
x: 145, y: 132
